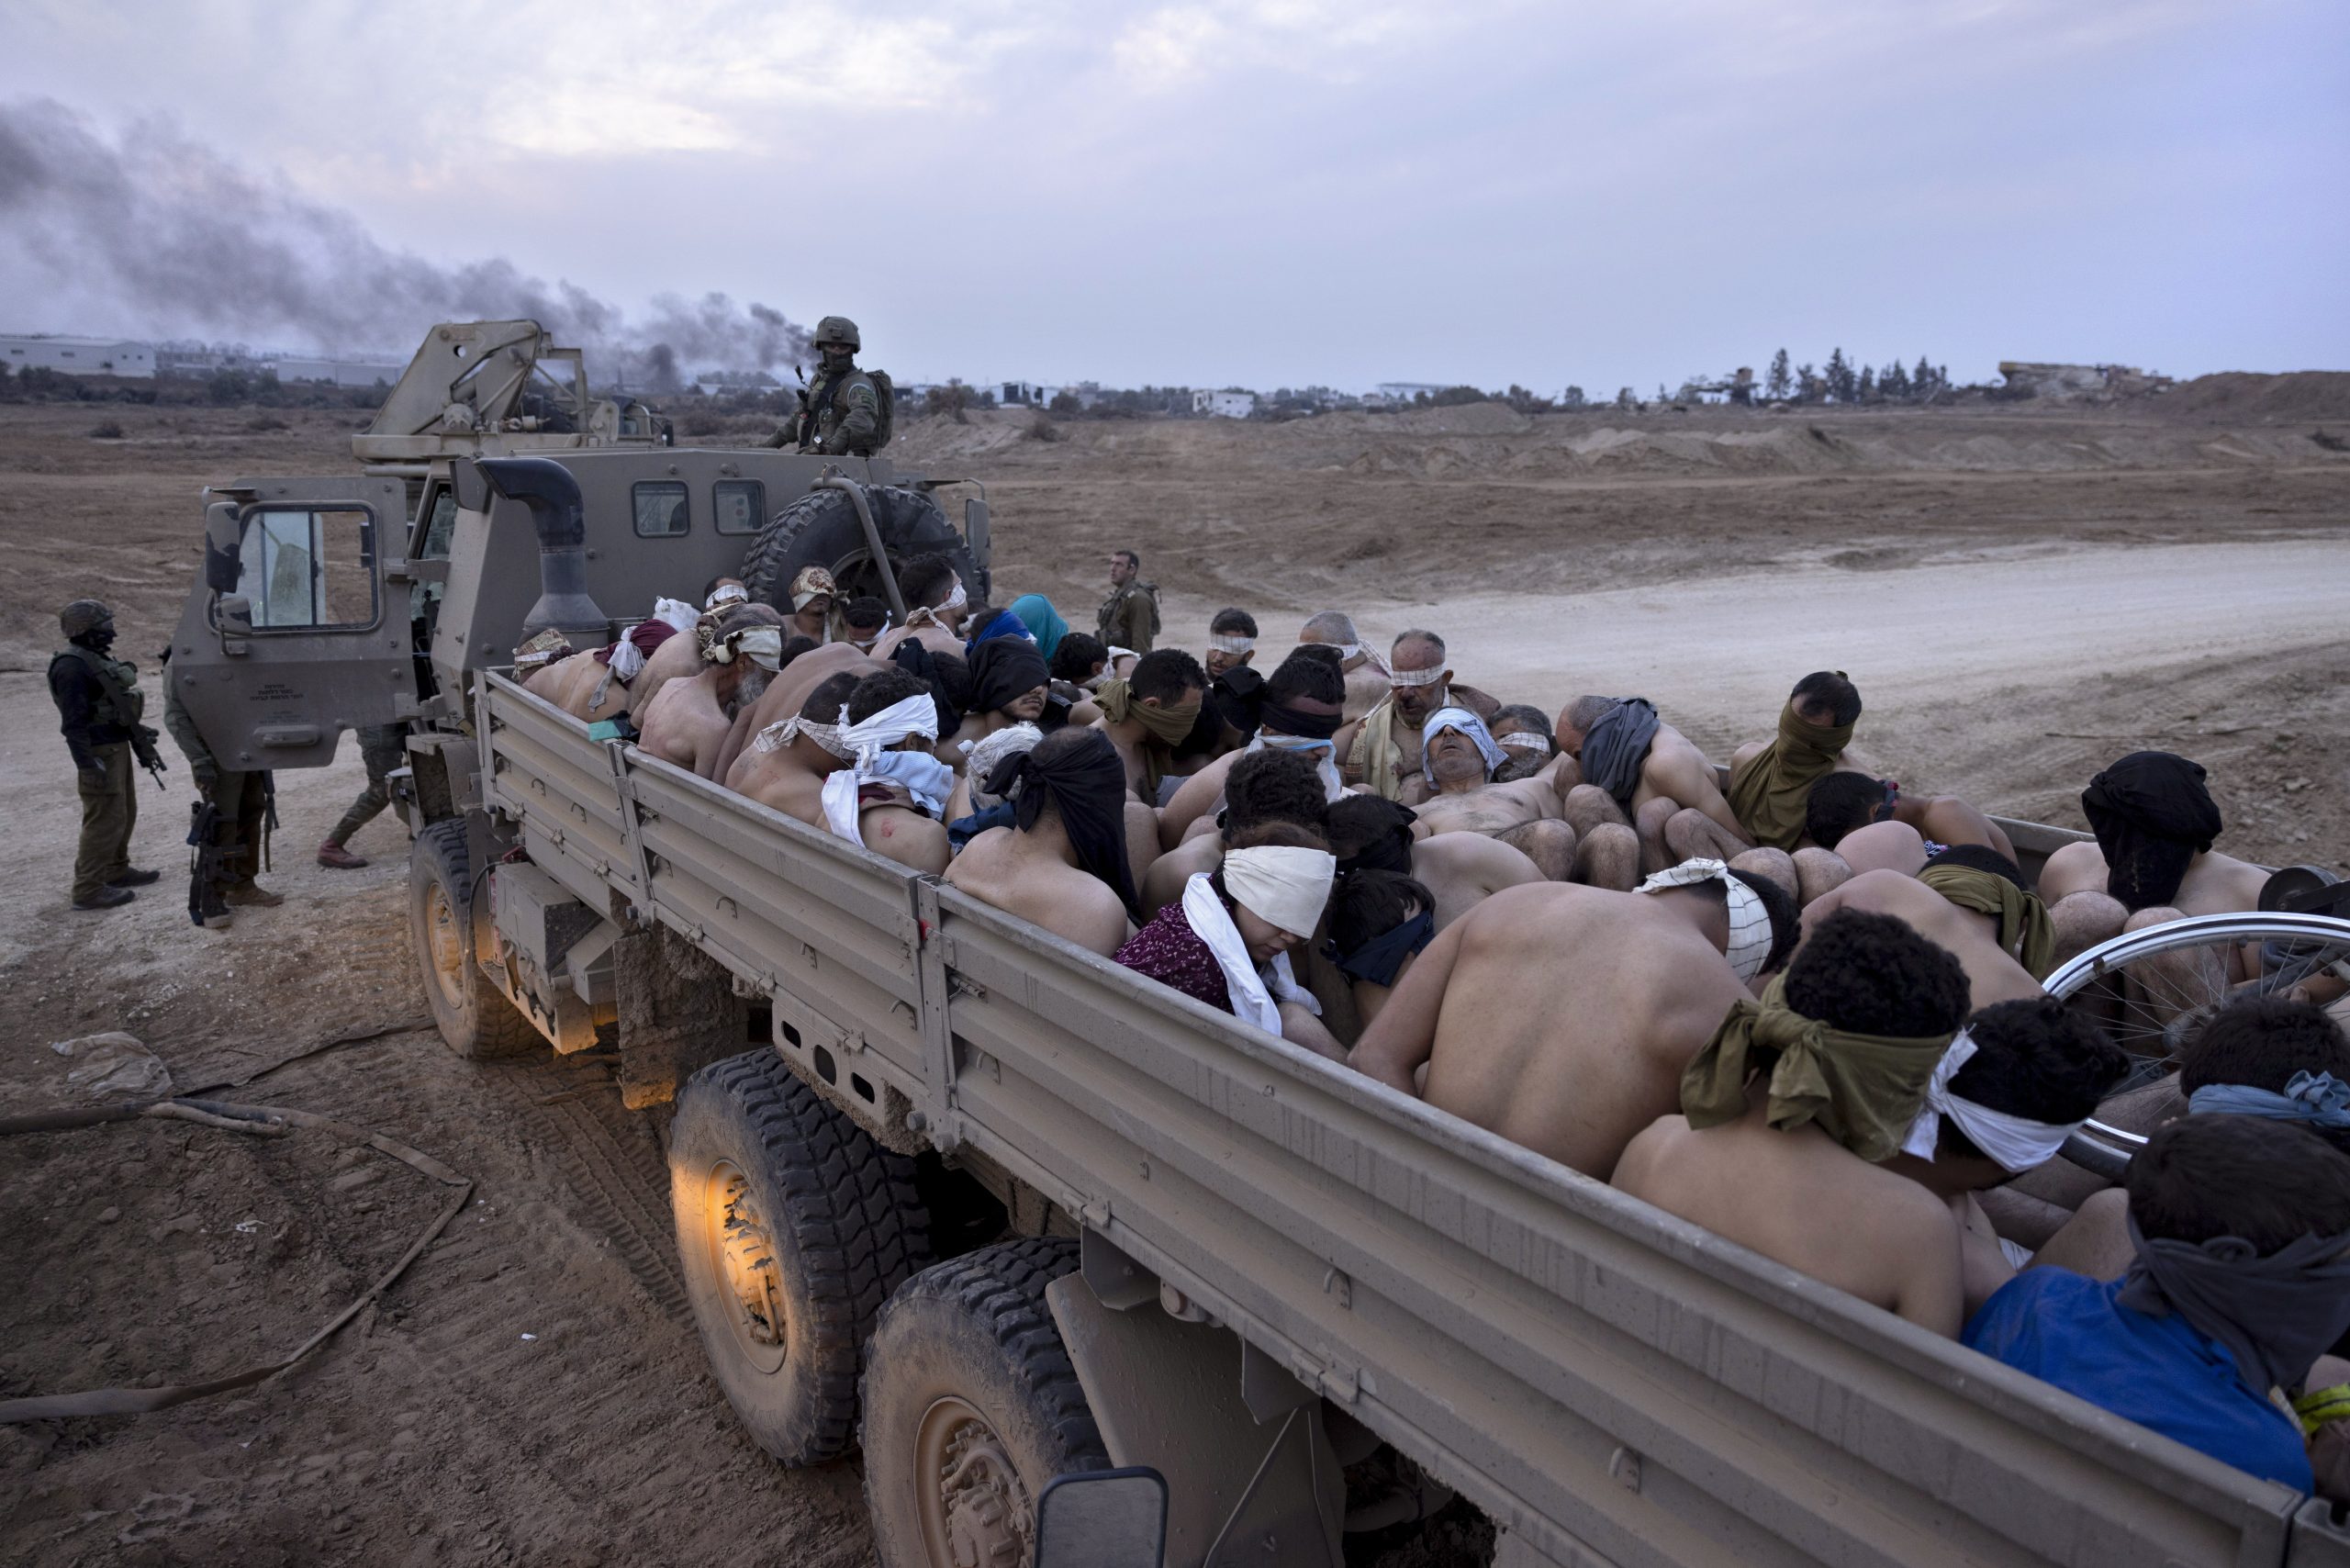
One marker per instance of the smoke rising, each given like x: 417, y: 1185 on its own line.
x: 169, y: 237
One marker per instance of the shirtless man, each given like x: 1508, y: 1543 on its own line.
x: 1381, y: 750
x: 1561, y: 1018
x: 2153, y: 861
x: 1770, y: 781
x: 588, y: 687
x: 781, y: 700
x: 1847, y: 800
x: 1260, y: 787
x: 863, y: 621
x: 814, y: 594
x: 1992, y: 974
x: 1904, y: 1234
x: 1009, y: 685
x: 1366, y: 672
x: 786, y: 763
x: 1380, y: 923
x: 688, y: 721
x: 1527, y: 745
x: 1658, y: 782
x: 1232, y: 642
x: 935, y: 600
x: 876, y: 805
x: 1300, y: 713
x: 1148, y: 713
x: 1063, y: 863
x: 1456, y: 767
x: 1460, y: 870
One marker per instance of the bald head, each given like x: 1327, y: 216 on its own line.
x: 1332, y: 626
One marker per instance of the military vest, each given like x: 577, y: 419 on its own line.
x: 824, y: 414
x: 120, y: 702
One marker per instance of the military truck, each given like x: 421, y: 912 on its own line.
x: 958, y: 1194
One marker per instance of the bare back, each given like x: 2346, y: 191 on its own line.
x: 786, y: 694
x: 684, y: 726
x: 1972, y: 940
x: 1675, y: 769
x: 1041, y: 889
x: 1568, y: 1017
x: 1463, y: 869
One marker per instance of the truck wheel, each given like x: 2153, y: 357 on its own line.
x: 821, y: 529
x: 473, y: 1016
x: 970, y: 1406
x: 793, y: 1227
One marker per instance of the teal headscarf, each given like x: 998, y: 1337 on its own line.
x: 1044, y: 622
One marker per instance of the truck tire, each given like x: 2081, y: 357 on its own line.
x: 794, y: 1227
x: 473, y: 1016
x: 821, y: 529
x: 970, y: 1406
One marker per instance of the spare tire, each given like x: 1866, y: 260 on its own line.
x: 821, y: 529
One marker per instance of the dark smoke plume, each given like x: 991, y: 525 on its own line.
x: 160, y: 232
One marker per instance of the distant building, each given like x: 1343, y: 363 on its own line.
x: 1404, y: 391
x: 1026, y: 394
x: 78, y: 356
x: 2091, y: 382
x: 1225, y: 405
x: 339, y: 372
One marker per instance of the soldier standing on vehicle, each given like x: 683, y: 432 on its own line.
x: 232, y: 822
x: 1129, y: 617
x: 99, y: 707
x: 382, y: 747
x: 841, y: 411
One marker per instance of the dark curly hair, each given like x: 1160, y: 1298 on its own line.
x: 2269, y: 1184
x: 2033, y: 1057
x: 1838, y: 803
x: 1077, y: 656
x: 883, y: 688
x: 2261, y: 1042
x: 1233, y: 623
x: 1833, y: 690
x: 1871, y: 974
x: 1370, y: 904
x: 1166, y: 674
x: 1272, y: 785
x: 1305, y: 673
x: 925, y: 579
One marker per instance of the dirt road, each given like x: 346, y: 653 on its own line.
x: 529, y: 1392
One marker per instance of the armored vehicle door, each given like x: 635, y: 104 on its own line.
x: 298, y: 627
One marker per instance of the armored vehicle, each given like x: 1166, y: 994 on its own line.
x: 953, y: 1190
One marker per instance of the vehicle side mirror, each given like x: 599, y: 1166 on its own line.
x: 1104, y: 1518
x: 236, y: 616
x: 472, y: 485
x: 223, y: 535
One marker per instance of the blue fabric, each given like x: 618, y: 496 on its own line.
x: 928, y: 779
x: 2159, y: 1371
x: 962, y: 830
x: 2319, y: 1098
x: 1003, y: 624
x: 1044, y: 622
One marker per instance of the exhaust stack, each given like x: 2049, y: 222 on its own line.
x: 552, y: 495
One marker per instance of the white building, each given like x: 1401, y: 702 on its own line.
x: 1225, y: 405
x: 78, y: 356
x: 341, y: 372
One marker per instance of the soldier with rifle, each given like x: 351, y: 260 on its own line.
x: 99, y: 707
x: 845, y: 410
x: 232, y: 825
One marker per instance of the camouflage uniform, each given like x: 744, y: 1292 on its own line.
x: 840, y: 414
x: 244, y: 808
x: 99, y: 708
x: 1129, y: 617
x: 382, y: 747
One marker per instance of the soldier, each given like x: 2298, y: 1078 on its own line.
x: 1129, y: 617
x: 840, y: 412
x: 231, y: 822
x: 99, y: 707
x: 382, y: 747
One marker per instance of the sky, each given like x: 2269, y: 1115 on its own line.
x: 1258, y: 193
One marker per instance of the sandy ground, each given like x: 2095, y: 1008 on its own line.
x: 2021, y: 597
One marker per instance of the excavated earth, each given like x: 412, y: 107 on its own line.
x: 2021, y: 592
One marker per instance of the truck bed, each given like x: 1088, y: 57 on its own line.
x: 1609, y: 1383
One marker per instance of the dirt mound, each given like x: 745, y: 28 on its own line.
x: 2233, y: 396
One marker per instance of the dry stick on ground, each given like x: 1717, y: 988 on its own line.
x: 277, y: 1120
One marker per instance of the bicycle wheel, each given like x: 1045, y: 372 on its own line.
x: 2152, y: 988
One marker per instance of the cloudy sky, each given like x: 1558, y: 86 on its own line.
x: 1258, y: 192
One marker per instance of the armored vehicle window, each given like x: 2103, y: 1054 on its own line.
x: 741, y: 505
x: 660, y: 508
x: 308, y: 569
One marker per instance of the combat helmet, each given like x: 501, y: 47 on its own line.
x: 836, y: 330
x: 82, y: 615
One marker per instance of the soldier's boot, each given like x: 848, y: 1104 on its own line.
x: 134, y: 878
x: 254, y: 893
x: 336, y: 858
x: 105, y: 898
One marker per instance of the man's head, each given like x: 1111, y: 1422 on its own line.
x: 1825, y: 698
x: 884, y: 690
x: 742, y: 651
x: 1419, y: 675
x: 1304, y: 697
x: 88, y: 623
x: 2263, y: 1043
x: 812, y: 592
x: 1871, y: 974
x: 1457, y: 750
x: 1167, y: 677
x: 1751, y: 956
x: 1272, y: 785
x: 1524, y: 734
x: 2034, y: 1060
x: 2264, y: 1182
x: 836, y: 339
x: 993, y: 749
x: 1264, y: 939
x: 824, y: 704
x: 928, y: 581
x: 722, y: 590
x: 1123, y: 564
x: 1369, y: 832
x: 1576, y: 719
x: 1842, y: 800
x: 1367, y: 905
x: 1331, y: 628
x: 864, y: 620
x: 1080, y: 658
x: 1008, y: 676
x: 1232, y: 641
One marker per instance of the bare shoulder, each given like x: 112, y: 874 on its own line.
x: 979, y: 856
x: 1489, y: 860
x: 1650, y: 1152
